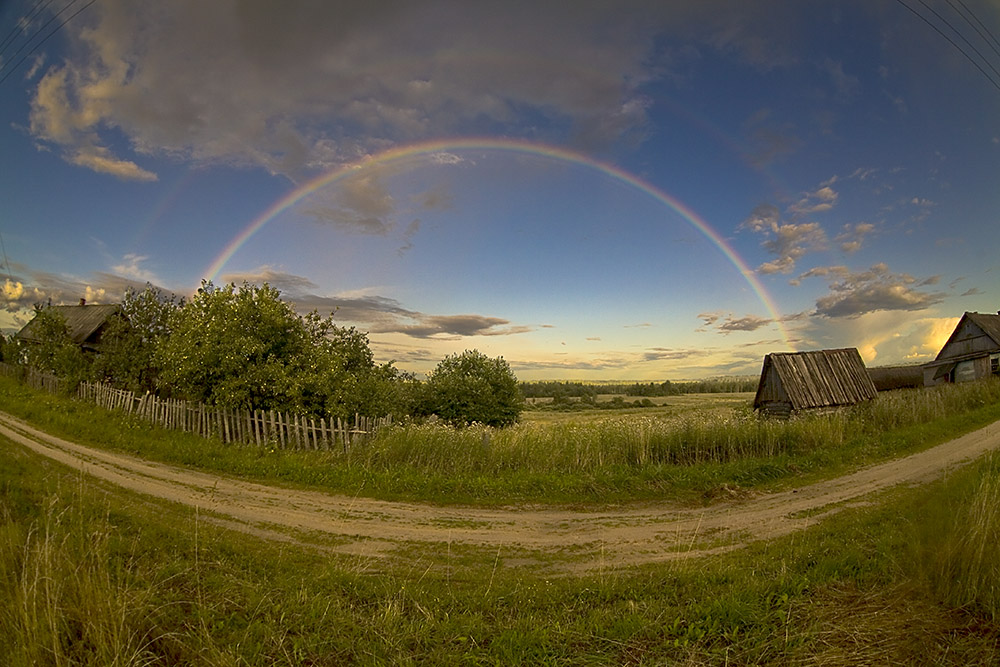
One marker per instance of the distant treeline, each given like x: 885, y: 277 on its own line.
x: 583, y: 390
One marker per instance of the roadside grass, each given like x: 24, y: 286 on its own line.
x: 91, y: 575
x: 688, y: 457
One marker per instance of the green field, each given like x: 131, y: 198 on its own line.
x: 93, y: 575
x: 666, y: 406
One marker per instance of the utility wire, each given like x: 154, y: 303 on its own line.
x: 37, y: 33
x: 21, y: 24
x: 950, y: 41
x: 978, y: 26
x: 964, y: 39
x: 46, y: 38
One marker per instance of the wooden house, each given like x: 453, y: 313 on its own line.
x: 795, y: 381
x: 972, y: 352
x: 86, y: 324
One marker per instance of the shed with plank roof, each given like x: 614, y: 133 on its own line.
x: 972, y: 351
x: 795, y: 381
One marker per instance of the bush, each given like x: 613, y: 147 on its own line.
x: 471, y: 387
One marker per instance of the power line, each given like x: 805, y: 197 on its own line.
x: 28, y: 41
x: 938, y: 30
x: 46, y: 38
x: 988, y: 37
x: 963, y: 37
x: 21, y: 24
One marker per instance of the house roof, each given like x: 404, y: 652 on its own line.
x: 818, y: 378
x: 82, y: 321
x: 989, y: 323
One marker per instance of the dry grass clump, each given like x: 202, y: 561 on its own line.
x: 846, y: 626
x: 67, y: 604
x: 956, y: 545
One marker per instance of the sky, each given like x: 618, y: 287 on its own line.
x: 623, y: 190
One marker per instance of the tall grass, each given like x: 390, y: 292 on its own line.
x: 638, y: 441
x: 67, y: 603
x: 957, y: 542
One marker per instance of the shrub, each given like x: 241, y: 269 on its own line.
x: 471, y: 387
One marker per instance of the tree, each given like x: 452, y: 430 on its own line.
x: 471, y: 387
x: 129, y: 342
x: 52, y: 349
x: 245, y: 347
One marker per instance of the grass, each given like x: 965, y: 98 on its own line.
x: 686, y: 453
x: 96, y: 576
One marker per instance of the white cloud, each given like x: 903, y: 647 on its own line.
x: 130, y: 267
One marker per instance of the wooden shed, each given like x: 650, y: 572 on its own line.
x: 972, y: 352
x: 86, y: 324
x: 794, y: 381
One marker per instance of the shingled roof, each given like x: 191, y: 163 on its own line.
x: 84, y: 322
x: 814, y: 379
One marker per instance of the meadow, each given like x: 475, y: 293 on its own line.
x: 93, y: 575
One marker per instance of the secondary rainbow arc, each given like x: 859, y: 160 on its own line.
x: 511, y: 145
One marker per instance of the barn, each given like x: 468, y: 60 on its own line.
x: 86, y: 324
x: 795, y: 381
x: 972, y: 352
x: 887, y: 378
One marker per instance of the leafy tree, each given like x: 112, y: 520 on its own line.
x: 129, y: 342
x: 471, y: 387
x: 245, y: 347
x: 53, y: 350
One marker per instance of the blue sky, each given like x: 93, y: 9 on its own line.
x: 609, y: 184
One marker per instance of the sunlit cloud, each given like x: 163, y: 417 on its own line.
x: 853, y: 294
x: 788, y: 242
x: 884, y: 337
x: 853, y: 236
x: 822, y: 199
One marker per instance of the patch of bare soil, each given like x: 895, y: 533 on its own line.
x: 567, y: 540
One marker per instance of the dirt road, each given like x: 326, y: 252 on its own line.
x: 564, y: 539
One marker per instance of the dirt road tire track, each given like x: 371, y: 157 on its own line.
x: 580, y: 540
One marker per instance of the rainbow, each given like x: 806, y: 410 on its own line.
x: 501, y: 144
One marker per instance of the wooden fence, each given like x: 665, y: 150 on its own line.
x: 258, y: 427
x: 264, y: 428
x: 32, y: 377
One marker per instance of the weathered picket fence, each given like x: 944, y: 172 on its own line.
x: 259, y: 427
x: 265, y: 428
x: 32, y: 377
